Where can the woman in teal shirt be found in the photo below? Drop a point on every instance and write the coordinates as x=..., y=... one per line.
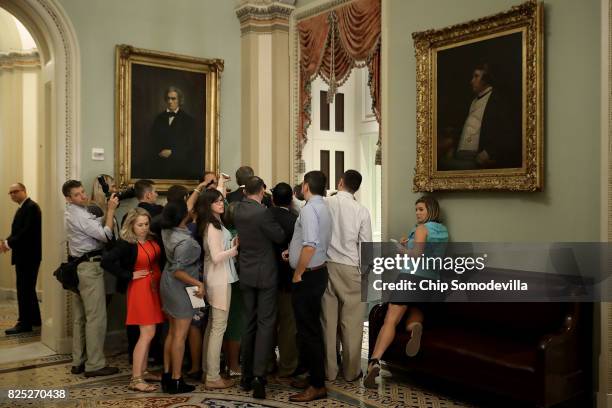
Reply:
x=428, y=230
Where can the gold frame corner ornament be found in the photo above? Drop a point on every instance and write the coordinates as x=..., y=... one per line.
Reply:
x=125, y=56
x=527, y=18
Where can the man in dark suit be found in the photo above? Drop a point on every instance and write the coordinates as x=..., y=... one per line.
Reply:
x=490, y=137
x=242, y=175
x=173, y=151
x=258, y=232
x=282, y=196
x=26, y=252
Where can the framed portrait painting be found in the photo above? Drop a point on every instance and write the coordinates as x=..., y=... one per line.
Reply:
x=480, y=104
x=167, y=117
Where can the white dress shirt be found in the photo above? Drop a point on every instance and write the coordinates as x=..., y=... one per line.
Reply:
x=470, y=136
x=85, y=232
x=351, y=225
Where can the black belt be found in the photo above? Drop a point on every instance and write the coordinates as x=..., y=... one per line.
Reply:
x=88, y=256
x=316, y=268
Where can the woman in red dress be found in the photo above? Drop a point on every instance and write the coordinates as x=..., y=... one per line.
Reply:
x=135, y=260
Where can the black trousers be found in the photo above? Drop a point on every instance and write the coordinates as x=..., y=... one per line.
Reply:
x=260, y=305
x=306, y=299
x=29, y=312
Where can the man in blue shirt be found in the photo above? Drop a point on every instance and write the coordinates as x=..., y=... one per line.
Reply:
x=308, y=256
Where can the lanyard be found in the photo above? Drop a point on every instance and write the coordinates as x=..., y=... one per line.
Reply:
x=152, y=281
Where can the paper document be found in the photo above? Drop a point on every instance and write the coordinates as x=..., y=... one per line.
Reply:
x=196, y=302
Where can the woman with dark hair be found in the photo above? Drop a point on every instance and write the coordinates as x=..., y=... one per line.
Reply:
x=219, y=274
x=181, y=270
x=428, y=230
x=135, y=260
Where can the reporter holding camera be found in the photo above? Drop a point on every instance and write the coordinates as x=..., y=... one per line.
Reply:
x=87, y=235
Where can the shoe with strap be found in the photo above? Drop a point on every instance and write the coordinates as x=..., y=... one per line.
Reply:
x=140, y=385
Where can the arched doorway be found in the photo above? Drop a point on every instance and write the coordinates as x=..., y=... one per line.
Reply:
x=59, y=148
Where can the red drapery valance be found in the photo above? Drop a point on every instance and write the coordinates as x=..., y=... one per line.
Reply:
x=331, y=45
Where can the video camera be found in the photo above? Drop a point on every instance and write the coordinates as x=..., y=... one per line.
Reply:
x=121, y=195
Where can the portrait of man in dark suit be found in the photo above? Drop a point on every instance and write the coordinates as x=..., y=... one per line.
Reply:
x=168, y=123
x=172, y=140
x=480, y=127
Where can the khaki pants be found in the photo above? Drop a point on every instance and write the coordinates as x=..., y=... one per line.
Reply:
x=287, y=348
x=89, y=310
x=213, y=339
x=342, y=313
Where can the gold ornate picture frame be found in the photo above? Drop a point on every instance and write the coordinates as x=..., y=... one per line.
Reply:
x=480, y=103
x=167, y=117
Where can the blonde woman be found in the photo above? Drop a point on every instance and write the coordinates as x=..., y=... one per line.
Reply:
x=135, y=261
x=219, y=274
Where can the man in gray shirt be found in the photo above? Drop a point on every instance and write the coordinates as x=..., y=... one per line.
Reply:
x=308, y=256
x=86, y=238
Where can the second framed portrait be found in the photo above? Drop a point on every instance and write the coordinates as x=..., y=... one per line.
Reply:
x=167, y=110
x=480, y=104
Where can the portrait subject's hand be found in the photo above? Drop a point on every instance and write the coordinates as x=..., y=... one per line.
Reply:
x=285, y=255
x=483, y=158
x=140, y=274
x=165, y=153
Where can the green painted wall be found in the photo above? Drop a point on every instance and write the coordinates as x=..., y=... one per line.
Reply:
x=568, y=208
x=200, y=28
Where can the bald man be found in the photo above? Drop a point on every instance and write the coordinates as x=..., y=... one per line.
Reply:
x=26, y=251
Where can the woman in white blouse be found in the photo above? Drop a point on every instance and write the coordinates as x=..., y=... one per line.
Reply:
x=219, y=274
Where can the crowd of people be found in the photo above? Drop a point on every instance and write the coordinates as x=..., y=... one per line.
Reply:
x=279, y=270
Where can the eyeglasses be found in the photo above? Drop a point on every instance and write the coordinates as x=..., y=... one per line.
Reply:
x=218, y=201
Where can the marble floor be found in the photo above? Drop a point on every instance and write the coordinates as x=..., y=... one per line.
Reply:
x=53, y=373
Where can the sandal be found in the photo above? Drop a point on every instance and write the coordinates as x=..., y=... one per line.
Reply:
x=148, y=376
x=140, y=385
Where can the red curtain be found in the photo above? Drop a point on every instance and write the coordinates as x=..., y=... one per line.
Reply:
x=350, y=37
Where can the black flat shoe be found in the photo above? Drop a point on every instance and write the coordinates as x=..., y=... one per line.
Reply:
x=18, y=329
x=77, y=369
x=197, y=375
x=166, y=378
x=259, y=388
x=178, y=386
x=246, y=384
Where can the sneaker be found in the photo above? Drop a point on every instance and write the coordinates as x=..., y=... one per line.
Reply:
x=414, y=344
x=102, y=372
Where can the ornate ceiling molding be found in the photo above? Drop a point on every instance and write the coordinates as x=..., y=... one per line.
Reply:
x=264, y=16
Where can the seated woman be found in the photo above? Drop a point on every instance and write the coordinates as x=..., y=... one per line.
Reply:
x=135, y=260
x=181, y=270
x=427, y=230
